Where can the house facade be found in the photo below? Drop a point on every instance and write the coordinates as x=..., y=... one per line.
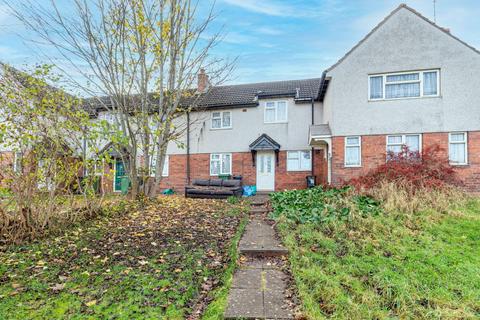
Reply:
x=408, y=82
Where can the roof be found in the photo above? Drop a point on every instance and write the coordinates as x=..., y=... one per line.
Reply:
x=320, y=130
x=401, y=6
x=240, y=95
x=264, y=142
x=248, y=94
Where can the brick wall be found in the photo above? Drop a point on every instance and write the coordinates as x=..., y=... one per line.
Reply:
x=374, y=153
x=242, y=164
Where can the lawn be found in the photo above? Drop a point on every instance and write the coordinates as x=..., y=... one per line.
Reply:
x=369, y=264
x=164, y=261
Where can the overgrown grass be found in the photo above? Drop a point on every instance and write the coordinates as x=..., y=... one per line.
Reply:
x=155, y=263
x=419, y=265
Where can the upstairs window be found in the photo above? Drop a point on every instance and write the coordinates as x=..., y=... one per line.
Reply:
x=404, y=85
x=221, y=120
x=275, y=112
x=299, y=160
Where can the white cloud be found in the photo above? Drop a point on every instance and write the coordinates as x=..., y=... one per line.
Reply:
x=269, y=31
x=268, y=7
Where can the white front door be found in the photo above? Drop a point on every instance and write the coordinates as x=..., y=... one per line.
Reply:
x=265, y=170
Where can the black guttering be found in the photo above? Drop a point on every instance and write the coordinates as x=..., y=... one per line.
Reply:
x=323, y=86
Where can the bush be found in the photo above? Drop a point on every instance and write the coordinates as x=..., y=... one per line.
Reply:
x=319, y=205
x=410, y=182
x=411, y=170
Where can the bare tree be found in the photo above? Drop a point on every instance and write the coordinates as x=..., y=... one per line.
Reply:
x=142, y=56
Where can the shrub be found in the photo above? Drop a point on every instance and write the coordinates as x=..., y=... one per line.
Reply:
x=319, y=205
x=410, y=182
x=411, y=170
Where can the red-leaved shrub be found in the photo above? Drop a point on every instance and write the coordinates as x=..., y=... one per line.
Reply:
x=428, y=170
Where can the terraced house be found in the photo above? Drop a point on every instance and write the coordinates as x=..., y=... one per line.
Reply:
x=407, y=82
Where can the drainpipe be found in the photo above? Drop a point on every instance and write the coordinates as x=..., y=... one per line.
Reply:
x=188, y=147
x=313, y=151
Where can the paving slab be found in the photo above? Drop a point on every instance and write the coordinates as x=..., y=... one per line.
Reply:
x=275, y=306
x=248, y=279
x=274, y=280
x=245, y=304
x=260, y=239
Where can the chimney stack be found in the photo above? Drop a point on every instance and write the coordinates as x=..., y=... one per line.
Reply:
x=202, y=81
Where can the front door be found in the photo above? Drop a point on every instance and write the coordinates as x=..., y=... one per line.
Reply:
x=265, y=170
x=119, y=174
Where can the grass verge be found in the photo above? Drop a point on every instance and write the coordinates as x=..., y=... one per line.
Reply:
x=423, y=265
x=216, y=308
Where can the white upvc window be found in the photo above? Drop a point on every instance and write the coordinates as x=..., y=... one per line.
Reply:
x=401, y=85
x=221, y=120
x=275, y=112
x=458, y=148
x=299, y=160
x=153, y=164
x=395, y=143
x=17, y=162
x=220, y=163
x=353, y=151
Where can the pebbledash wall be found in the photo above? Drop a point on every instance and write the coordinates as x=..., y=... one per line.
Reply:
x=373, y=154
x=242, y=164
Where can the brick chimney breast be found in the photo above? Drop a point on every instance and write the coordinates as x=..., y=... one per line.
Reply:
x=202, y=81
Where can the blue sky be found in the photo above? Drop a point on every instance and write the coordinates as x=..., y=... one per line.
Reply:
x=289, y=39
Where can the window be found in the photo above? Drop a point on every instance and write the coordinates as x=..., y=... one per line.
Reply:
x=220, y=163
x=221, y=120
x=17, y=162
x=395, y=143
x=153, y=164
x=353, y=151
x=404, y=85
x=457, y=148
x=275, y=111
x=299, y=161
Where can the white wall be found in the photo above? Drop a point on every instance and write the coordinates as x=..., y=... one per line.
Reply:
x=404, y=43
x=247, y=125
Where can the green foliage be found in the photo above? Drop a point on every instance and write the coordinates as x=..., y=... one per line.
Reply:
x=233, y=200
x=387, y=266
x=318, y=205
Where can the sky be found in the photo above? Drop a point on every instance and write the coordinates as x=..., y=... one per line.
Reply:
x=284, y=39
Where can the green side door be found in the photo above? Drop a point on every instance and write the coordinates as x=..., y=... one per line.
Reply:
x=119, y=174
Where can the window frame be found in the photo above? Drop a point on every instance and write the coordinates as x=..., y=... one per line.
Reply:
x=299, y=153
x=359, y=146
x=404, y=138
x=465, y=142
x=222, y=127
x=165, y=163
x=420, y=81
x=222, y=155
x=275, y=107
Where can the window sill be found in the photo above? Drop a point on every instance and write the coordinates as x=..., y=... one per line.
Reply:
x=226, y=128
x=302, y=170
x=352, y=166
x=277, y=122
x=408, y=98
x=459, y=164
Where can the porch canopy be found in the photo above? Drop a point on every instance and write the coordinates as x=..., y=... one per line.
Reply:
x=320, y=135
x=264, y=143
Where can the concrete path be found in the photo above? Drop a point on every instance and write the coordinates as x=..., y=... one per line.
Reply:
x=258, y=287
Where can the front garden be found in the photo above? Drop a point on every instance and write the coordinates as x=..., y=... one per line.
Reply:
x=164, y=260
x=403, y=244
